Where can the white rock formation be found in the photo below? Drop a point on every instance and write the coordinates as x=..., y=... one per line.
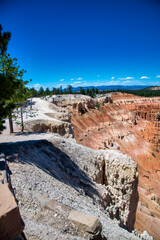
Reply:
x=42, y=116
x=58, y=168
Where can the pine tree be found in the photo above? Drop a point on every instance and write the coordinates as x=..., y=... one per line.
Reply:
x=69, y=88
x=47, y=91
x=11, y=81
x=41, y=92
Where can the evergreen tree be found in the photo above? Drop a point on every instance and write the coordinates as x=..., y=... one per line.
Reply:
x=47, y=92
x=54, y=92
x=11, y=81
x=60, y=90
x=82, y=91
x=33, y=92
x=91, y=93
x=20, y=97
x=87, y=92
x=57, y=91
x=96, y=91
x=4, y=39
x=69, y=88
x=18, y=92
x=41, y=92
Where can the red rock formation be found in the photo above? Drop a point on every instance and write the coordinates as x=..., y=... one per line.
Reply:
x=132, y=125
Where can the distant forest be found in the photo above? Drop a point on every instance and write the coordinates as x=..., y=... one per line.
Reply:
x=142, y=92
x=89, y=92
x=59, y=91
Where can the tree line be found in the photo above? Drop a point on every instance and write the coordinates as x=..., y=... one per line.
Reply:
x=142, y=92
x=90, y=92
x=58, y=91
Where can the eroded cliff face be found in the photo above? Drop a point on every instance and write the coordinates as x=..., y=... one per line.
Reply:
x=56, y=169
x=132, y=125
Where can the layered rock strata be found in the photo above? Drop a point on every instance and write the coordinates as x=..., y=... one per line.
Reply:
x=131, y=125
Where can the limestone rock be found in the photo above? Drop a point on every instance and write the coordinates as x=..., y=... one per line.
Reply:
x=45, y=116
x=145, y=236
x=54, y=126
x=116, y=177
x=57, y=207
x=84, y=222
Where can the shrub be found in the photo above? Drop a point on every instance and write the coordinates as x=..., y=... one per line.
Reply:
x=97, y=105
x=153, y=154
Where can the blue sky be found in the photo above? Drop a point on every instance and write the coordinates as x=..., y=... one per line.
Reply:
x=85, y=42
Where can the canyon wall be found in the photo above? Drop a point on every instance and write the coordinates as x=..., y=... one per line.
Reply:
x=132, y=125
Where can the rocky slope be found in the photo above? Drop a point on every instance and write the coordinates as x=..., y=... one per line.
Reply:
x=54, y=175
x=132, y=125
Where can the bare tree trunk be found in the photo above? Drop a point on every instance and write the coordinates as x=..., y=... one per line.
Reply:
x=10, y=122
x=31, y=104
x=22, y=125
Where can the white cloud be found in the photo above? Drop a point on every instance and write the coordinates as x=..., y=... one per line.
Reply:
x=122, y=83
x=79, y=78
x=113, y=83
x=75, y=84
x=144, y=77
x=127, y=78
x=72, y=79
x=37, y=85
x=61, y=80
x=80, y=84
x=158, y=76
x=112, y=78
x=126, y=82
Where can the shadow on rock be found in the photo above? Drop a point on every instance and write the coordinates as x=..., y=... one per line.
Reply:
x=51, y=160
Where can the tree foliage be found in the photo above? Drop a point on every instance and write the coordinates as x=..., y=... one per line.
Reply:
x=4, y=39
x=69, y=88
x=58, y=91
x=13, y=88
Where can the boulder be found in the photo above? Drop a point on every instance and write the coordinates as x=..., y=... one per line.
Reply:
x=54, y=126
x=85, y=223
x=11, y=224
x=55, y=206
